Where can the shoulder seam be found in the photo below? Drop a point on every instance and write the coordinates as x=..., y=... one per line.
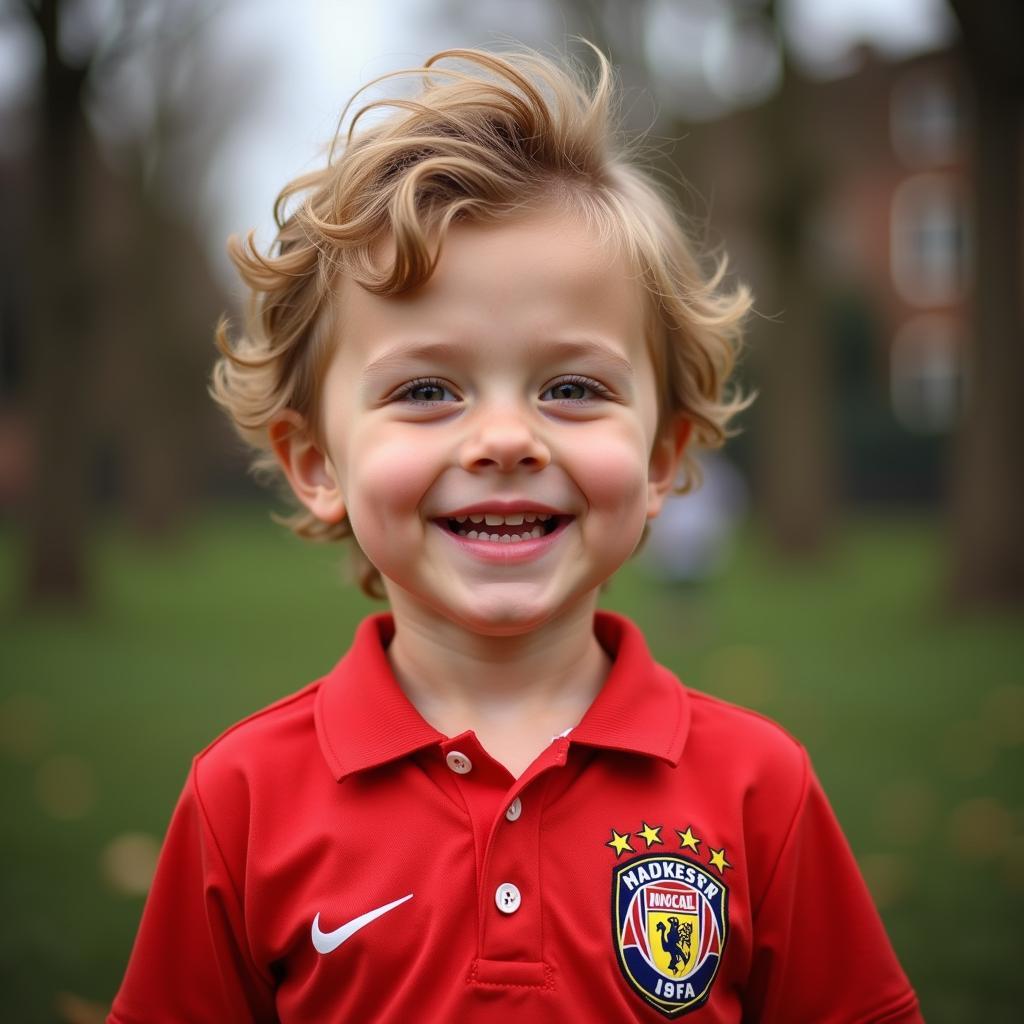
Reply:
x=805, y=764
x=308, y=691
x=235, y=889
x=700, y=695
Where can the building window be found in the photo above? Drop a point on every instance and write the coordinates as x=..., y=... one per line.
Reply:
x=928, y=240
x=925, y=374
x=924, y=119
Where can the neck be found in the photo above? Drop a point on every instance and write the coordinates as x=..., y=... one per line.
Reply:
x=541, y=681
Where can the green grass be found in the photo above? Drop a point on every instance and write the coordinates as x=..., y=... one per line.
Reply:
x=915, y=721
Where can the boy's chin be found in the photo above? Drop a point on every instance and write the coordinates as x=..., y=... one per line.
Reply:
x=499, y=614
x=497, y=618
x=504, y=625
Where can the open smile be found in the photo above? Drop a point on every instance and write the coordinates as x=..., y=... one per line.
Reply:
x=505, y=538
x=513, y=528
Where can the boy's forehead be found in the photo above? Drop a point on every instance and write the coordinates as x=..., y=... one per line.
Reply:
x=541, y=275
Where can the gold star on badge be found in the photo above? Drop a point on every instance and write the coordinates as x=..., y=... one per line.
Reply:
x=718, y=860
x=688, y=839
x=620, y=844
x=651, y=835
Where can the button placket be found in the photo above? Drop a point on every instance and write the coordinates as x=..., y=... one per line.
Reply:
x=480, y=786
x=511, y=925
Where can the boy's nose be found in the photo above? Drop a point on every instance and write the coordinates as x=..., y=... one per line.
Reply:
x=505, y=442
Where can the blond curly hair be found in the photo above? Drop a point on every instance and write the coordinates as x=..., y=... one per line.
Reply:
x=488, y=135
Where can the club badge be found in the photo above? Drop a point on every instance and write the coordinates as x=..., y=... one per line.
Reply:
x=670, y=922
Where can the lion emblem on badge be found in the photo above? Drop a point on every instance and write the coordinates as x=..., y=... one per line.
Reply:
x=677, y=942
x=670, y=929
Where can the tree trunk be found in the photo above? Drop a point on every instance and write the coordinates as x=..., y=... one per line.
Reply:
x=61, y=313
x=988, y=500
x=793, y=434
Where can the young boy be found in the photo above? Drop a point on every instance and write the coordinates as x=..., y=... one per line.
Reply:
x=480, y=351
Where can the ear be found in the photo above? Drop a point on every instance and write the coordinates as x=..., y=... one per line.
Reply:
x=665, y=458
x=307, y=468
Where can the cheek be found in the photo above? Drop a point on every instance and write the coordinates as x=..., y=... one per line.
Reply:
x=613, y=476
x=387, y=480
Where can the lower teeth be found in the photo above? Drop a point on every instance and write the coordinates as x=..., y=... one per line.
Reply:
x=501, y=538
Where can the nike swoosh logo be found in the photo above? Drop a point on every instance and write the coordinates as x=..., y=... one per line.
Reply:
x=328, y=942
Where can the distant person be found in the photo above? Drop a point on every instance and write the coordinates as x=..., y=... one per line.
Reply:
x=480, y=350
x=692, y=537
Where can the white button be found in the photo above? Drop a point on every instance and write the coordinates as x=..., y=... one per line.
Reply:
x=458, y=762
x=508, y=898
x=514, y=810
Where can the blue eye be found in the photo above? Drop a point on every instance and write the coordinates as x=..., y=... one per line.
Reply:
x=574, y=389
x=425, y=392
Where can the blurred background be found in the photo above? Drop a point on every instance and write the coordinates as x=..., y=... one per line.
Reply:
x=853, y=567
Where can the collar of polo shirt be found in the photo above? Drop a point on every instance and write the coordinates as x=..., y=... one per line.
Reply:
x=363, y=719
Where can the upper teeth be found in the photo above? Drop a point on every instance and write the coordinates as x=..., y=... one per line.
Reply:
x=512, y=519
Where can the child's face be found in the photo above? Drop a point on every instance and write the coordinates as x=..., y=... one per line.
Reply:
x=516, y=379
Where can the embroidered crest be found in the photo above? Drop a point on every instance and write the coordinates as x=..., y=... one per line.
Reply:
x=670, y=921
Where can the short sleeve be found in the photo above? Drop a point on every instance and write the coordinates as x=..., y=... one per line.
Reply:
x=821, y=953
x=190, y=961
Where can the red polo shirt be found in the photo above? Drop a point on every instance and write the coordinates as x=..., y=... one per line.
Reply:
x=335, y=858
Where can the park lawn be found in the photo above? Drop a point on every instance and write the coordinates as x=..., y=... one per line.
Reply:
x=914, y=718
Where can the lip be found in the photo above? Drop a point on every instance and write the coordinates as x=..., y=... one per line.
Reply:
x=499, y=507
x=497, y=553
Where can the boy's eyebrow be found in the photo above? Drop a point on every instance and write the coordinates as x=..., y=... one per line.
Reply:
x=442, y=351
x=589, y=348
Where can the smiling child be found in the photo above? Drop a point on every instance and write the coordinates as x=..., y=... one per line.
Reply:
x=481, y=351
